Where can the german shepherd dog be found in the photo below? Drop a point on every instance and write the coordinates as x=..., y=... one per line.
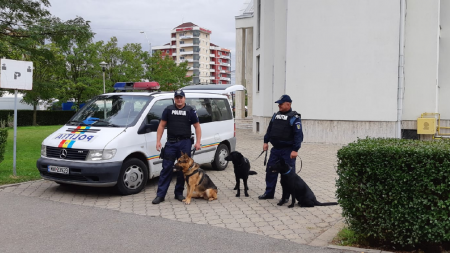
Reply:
x=294, y=185
x=199, y=185
x=241, y=171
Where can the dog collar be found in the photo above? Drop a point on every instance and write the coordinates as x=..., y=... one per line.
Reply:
x=287, y=172
x=190, y=168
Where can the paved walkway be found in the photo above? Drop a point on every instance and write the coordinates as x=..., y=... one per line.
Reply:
x=248, y=214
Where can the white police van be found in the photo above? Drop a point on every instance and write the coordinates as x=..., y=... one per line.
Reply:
x=111, y=141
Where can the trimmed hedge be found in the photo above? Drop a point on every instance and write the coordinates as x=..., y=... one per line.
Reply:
x=3, y=137
x=43, y=118
x=396, y=191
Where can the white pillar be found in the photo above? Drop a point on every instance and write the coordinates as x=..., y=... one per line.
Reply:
x=240, y=73
x=249, y=71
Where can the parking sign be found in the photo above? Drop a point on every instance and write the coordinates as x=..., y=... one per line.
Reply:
x=16, y=75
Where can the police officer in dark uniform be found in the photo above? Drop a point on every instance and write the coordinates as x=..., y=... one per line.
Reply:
x=178, y=118
x=286, y=135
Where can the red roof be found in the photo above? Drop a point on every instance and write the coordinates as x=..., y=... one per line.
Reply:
x=187, y=24
x=212, y=44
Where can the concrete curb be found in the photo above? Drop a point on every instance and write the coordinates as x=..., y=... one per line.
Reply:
x=17, y=184
x=326, y=237
x=358, y=249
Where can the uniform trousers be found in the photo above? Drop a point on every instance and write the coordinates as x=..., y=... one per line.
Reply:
x=172, y=151
x=276, y=154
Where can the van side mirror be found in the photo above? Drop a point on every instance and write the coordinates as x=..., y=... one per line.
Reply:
x=150, y=127
x=153, y=126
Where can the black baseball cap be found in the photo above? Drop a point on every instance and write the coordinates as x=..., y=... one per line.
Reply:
x=284, y=98
x=179, y=93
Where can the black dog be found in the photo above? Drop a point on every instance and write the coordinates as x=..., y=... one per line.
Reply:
x=294, y=185
x=241, y=170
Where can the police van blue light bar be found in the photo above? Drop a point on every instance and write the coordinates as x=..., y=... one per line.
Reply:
x=137, y=86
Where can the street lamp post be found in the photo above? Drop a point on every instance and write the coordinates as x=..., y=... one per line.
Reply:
x=149, y=43
x=103, y=64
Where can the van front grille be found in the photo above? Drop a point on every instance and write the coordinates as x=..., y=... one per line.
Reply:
x=72, y=153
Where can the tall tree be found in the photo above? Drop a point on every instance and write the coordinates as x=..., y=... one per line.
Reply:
x=25, y=23
x=166, y=72
x=82, y=75
x=45, y=76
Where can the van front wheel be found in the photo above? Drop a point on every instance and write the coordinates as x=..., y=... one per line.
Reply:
x=219, y=162
x=133, y=177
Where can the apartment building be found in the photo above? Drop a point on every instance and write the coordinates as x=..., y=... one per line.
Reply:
x=208, y=63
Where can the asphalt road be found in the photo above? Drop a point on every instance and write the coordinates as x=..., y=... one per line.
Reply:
x=29, y=224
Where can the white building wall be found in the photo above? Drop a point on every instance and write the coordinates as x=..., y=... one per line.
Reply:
x=342, y=59
x=279, y=60
x=421, y=57
x=264, y=98
x=444, y=61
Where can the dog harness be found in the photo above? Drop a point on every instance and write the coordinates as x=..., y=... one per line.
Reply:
x=193, y=173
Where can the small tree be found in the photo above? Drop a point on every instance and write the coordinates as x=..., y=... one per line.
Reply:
x=166, y=72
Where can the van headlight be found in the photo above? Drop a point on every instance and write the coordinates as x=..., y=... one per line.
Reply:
x=43, y=150
x=101, y=154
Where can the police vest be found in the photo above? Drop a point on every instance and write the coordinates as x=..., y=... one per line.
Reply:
x=178, y=123
x=282, y=126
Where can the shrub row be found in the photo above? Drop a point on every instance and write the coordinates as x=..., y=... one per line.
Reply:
x=3, y=137
x=396, y=191
x=43, y=118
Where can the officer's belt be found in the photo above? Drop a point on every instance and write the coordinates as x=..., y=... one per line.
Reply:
x=177, y=139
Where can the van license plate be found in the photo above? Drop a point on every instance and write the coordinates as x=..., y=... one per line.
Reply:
x=56, y=169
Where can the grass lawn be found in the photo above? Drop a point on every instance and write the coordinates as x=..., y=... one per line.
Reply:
x=29, y=141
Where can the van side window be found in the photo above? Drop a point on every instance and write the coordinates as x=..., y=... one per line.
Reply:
x=223, y=108
x=158, y=108
x=203, y=108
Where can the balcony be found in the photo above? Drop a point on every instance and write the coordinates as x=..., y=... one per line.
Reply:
x=212, y=77
x=172, y=39
x=225, y=57
x=224, y=64
x=212, y=55
x=212, y=63
x=212, y=70
x=225, y=78
x=185, y=37
x=174, y=54
x=222, y=71
x=191, y=60
x=188, y=52
x=187, y=45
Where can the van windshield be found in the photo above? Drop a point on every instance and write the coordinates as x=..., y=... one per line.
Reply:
x=111, y=111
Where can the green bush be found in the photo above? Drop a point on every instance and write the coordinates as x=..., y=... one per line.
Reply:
x=3, y=137
x=43, y=118
x=396, y=191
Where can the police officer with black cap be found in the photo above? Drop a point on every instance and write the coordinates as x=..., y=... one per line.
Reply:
x=286, y=136
x=178, y=118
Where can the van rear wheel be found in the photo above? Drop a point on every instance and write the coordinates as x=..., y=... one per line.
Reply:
x=132, y=177
x=219, y=162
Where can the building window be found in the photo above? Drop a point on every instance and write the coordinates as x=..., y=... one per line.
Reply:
x=182, y=50
x=258, y=40
x=182, y=42
x=257, y=73
x=182, y=58
x=167, y=51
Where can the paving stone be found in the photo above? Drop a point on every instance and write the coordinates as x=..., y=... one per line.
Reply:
x=248, y=214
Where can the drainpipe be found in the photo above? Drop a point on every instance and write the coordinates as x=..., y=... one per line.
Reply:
x=401, y=76
x=437, y=57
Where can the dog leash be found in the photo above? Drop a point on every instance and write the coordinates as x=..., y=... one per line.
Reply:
x=301, y=164
x=193, y=153
x=265, y=158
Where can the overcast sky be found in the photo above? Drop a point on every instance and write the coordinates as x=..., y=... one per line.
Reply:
x=126, y=18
